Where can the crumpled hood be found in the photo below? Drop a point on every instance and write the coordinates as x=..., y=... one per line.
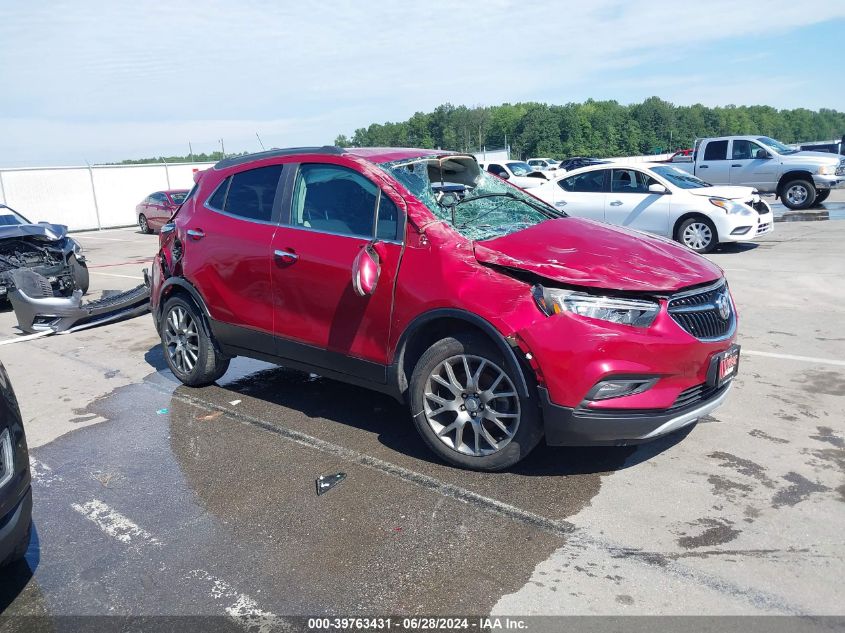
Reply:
x=581, y=252
x=45, y=231
x=727, y=191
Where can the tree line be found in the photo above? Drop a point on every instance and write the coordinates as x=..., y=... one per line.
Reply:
x=593, y=128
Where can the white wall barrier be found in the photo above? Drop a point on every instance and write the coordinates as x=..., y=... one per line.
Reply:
x=90, y=197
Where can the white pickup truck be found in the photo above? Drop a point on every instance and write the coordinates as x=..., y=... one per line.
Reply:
x=800, y=179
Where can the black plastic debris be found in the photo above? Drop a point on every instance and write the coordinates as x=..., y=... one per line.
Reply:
x=327, y=482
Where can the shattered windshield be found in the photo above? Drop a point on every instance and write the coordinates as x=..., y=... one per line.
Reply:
x=484, y=206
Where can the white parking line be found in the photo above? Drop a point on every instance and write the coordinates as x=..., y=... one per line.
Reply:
x=242, y=608
x=95, y=272
x=113, y=523
x=804, y=359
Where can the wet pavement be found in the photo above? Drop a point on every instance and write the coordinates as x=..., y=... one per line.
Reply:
x=152, y=498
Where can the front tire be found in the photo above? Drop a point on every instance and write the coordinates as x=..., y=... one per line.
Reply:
x=698, y=234
x=81, y=277
x=145, y=226
x=798, y=194
x=466, y=406
x=187, y=344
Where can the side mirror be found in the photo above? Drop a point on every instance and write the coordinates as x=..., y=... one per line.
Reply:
x=366, y=269
x=657, y=188
x=761, y=153
x=503, y=175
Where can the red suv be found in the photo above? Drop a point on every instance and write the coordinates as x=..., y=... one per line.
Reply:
x=497, y=318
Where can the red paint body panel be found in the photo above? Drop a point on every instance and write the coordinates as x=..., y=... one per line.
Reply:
x=586, y=253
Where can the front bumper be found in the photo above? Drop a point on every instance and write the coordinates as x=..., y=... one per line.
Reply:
x=581, y=426
x=14, y=525
x=829, y=182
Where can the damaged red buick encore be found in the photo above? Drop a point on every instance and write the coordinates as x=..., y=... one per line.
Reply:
x=498, y=319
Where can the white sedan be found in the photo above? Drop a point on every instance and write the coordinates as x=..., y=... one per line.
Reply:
x=661, y=199
x=516, y=172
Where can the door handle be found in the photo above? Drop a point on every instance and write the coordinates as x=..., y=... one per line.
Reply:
x=703, y=166
x=286, y=256
x=196, y=234
x=735, y=165
x=615, y=203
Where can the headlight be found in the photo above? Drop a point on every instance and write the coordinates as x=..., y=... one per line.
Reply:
x=731, y=207
x=77, y=247
x=827, y=170
x=623, y=311
x=7, y=464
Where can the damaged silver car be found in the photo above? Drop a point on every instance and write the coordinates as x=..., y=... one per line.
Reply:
x=42, y=248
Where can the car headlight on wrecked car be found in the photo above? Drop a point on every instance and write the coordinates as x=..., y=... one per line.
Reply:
x=730, y=207
x=77, y=247
x=636, y=312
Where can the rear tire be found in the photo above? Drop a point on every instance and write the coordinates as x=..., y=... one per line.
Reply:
x=187, y=344
x=505, y=427
x=81, y=277
x=142, y=222
x=798, y=194
x=698, y=234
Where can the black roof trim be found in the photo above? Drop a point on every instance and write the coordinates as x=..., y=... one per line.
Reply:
x=274, y=153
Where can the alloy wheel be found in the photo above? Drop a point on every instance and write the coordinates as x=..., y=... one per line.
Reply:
x=145, y=228
x=697, y=235
x=181, y=339
x=797, y=194
x=471, y=405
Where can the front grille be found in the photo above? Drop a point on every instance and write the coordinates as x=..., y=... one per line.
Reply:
x=759, y=206
x=763, y=227
x=706, y=314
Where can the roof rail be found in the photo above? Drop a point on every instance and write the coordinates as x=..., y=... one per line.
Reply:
x=274, y=153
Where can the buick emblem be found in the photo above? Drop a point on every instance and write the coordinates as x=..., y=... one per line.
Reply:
x=723, y=305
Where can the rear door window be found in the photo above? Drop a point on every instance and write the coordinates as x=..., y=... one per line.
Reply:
x=716, y=150
x=336, y=199
x=589, y=182
x=251, y=193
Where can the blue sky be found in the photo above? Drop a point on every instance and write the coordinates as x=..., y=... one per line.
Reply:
x=93, y=81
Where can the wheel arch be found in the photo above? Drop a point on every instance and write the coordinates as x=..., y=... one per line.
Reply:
x=179, y=286
x=797, y=174
x=430, y=327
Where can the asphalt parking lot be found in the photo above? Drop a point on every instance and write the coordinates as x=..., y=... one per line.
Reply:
x=152, y=498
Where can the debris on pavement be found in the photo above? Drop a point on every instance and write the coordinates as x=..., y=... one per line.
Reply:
x=327, y=482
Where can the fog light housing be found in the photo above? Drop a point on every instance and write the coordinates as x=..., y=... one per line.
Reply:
x=618, y=387
x=741, y=230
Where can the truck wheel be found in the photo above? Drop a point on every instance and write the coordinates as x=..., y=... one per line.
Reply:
x=821, y=196
x=81, y=278
x=466, y=407
x=188, y=348
x=698, y=234
x=798, y=194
